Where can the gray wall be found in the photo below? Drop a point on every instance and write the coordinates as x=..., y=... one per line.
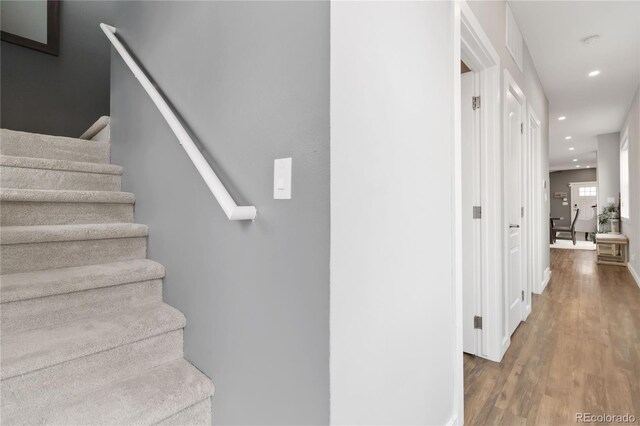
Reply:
x=608, y=169
x=559, y=182
x=251, y=80
x=59, y=95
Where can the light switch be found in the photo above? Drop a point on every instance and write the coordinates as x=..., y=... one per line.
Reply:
x=282, y=179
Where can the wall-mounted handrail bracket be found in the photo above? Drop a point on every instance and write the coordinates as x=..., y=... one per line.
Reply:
x=231, y=209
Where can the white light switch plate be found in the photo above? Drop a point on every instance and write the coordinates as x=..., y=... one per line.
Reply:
x=282, y=179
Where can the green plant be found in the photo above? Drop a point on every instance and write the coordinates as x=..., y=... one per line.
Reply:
x=609, y=212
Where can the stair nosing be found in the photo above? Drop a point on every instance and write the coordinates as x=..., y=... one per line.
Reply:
x=59, y=165
x=54, y=138
x=52, y=282
x=19, y=195
x=76, y=232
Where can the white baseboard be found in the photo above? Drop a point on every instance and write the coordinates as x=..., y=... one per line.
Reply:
x=545, y=279
x=453, y=421
x=634, y=274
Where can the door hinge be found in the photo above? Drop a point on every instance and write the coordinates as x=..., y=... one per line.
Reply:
x=522, y=128
x=475, y=102
x=523, y=295
x=477, y=322
x=477, y=212
x=521, y=211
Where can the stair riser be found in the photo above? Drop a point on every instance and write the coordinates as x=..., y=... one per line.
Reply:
x=25, y=178
x=22, y=395
x=16, y=258
x=56, y=310
x=36, y=213
x=41, y=146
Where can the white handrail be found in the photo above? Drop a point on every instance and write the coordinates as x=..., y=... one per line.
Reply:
x=231, y=209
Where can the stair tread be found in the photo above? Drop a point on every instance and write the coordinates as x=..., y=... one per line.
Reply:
x=63, y=165
x=24, y=144
x=65, y=196
x=75, y=232
x=43, y=347
x=49, y=282
x=146, y=398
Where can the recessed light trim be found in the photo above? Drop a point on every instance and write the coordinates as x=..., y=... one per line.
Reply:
x=577, y=166
x=594, y=73
x=567, y=137
x=562, y=117
x=575, y=159
x=571, y=148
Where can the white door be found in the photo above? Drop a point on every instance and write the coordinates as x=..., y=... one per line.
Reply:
x=470, y=227
x=513, y=169
x=583, y=197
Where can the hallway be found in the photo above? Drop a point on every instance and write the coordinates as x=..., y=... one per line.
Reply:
x=579, y=351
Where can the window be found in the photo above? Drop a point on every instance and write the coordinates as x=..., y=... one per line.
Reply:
x=624, y=177
x=587, y=191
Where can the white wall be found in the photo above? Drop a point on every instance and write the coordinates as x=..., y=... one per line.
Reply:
x=392, y=325
x=608, y=167
x=631, y=228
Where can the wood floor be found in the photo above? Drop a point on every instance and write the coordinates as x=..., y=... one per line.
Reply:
x=579, y=351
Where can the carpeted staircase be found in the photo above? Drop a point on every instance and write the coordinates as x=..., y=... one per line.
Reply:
x=85, y=336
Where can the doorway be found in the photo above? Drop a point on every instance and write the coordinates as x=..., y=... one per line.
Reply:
x=584, y=198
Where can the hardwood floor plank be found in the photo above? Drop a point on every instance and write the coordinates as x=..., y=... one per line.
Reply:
x=579, y=351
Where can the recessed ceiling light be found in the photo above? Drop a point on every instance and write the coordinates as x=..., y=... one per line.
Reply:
x=567, y=137
x=578, y=166
x=594, y=73
x=562, y=118
x=588, y=167
x=571, y=149
x=575, y=159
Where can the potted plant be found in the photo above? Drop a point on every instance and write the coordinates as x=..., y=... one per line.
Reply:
x=610, y=216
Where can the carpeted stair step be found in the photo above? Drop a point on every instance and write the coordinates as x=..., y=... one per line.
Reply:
x=28, y=394
x=23, y=144
x=44, y=347
x=57, y=296
x=198, y=414
x=37, y=248
x=147, y=398
x=44, y=173
x=23, y=207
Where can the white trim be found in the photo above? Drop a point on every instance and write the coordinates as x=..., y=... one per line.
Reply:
x=545, y=280
x=634, y=274
x=583, y=183
x=453, y=421
x=510, y=85
x=536, y=212
x=471, y=43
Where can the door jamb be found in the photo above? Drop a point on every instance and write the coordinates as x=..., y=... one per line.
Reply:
x=536, y=213
x=471, y=43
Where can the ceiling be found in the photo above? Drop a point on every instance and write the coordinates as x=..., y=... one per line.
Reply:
x=553, y=31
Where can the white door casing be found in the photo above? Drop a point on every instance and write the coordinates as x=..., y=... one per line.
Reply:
x=514, y=103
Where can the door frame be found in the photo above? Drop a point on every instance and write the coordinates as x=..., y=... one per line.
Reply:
x=472, y=44
x=536, y=213
x=510, y=85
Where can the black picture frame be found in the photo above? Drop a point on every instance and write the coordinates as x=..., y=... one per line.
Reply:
x=52, y=46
